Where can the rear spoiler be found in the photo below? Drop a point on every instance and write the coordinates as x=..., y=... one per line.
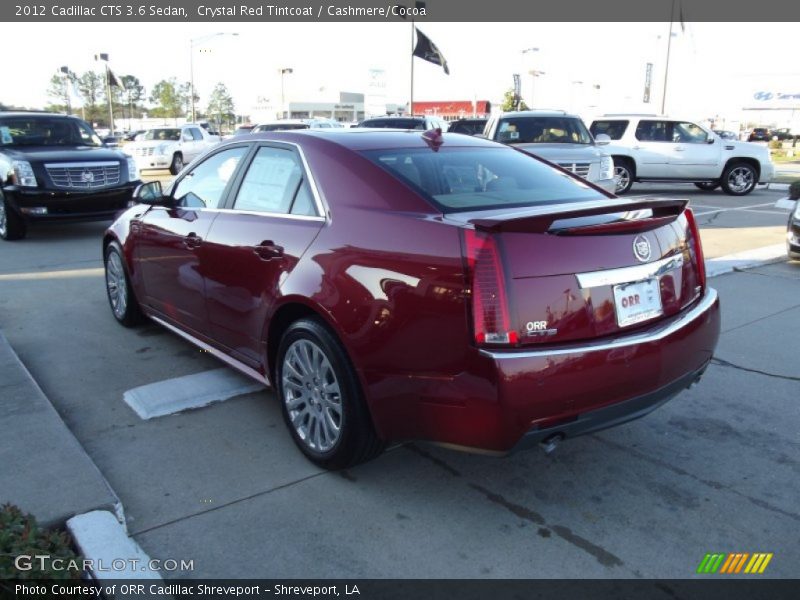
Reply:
x=540, y=219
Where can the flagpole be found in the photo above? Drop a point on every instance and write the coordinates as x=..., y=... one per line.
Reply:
x=411, y=101
x=666, y=67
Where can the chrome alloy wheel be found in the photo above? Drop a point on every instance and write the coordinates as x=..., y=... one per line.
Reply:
x=3, y=223
x=741, y=179
x=312, y=396
x=622, y=178
x=116, y=285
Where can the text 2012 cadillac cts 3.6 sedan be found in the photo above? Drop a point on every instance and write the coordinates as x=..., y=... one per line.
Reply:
x=396, y=285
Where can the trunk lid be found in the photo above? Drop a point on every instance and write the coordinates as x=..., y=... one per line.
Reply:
x=587, y=270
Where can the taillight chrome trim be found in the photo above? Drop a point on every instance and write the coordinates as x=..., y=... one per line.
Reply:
x=629, y=274
x=634, y=339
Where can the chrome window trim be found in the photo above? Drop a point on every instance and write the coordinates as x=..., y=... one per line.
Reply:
x=647, y=337
x=629, y=274
x=257, y=213
x=77, y=165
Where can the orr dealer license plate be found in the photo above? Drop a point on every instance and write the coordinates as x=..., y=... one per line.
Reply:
x=637, y=302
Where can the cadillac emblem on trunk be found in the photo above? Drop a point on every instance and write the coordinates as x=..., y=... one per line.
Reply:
x=641, y=248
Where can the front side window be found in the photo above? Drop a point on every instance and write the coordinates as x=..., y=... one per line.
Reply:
x=204, y=186
x=459, y=179
x=688, y=133
x=274, y=183
x=542, y=130
x=196, y=135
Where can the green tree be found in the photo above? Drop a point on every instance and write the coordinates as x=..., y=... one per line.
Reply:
x=185, y=92
x=510, y=100
x=220, y=105
x=59, y=91
x=167, y=98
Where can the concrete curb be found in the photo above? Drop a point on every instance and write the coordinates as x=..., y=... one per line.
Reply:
x=747, y=259
x=44, y=470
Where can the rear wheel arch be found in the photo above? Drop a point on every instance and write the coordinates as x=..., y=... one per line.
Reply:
x=750, y=161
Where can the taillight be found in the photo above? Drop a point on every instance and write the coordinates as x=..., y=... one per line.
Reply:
x=490, y=317
x=696, y=248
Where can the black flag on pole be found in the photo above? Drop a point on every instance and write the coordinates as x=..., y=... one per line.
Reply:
x=427, y=50
x=113, y=80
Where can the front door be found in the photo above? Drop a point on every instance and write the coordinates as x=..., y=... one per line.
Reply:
x=170, y=248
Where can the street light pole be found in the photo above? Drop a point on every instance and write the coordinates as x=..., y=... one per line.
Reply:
x=284, y=71
x=666, y=67
x=533, y=72
x=192, y=43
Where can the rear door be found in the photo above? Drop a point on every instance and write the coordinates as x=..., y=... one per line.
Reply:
x=653, y=148
x=255, y=243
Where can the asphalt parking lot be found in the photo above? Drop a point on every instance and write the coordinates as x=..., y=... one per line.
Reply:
x=715, y=470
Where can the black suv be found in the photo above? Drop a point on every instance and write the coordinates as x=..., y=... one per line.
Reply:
x=55, y=167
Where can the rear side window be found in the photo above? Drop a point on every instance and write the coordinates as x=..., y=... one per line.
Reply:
x=613, y=129
x=654, y=131
x=460, y=179
x=274, y=183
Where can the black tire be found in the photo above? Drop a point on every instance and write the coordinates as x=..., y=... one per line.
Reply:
x=12, y=225
x=121, y=297
x=707, y=186
x=739, y=179
x=329, y=388
x=177, y=163
x=624, y=173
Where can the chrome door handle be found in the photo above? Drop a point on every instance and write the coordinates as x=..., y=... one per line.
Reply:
x=267, y=250
x=192, y=240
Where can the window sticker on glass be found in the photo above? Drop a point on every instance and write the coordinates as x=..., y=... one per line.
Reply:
x=5, y=136
x=513, y=135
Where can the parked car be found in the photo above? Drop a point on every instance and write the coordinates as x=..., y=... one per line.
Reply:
x=131, y=135
x=54, y=167
x=391, y=285
x=170, y=147
x=240, y=130
x=793, y=233
x=293, y=124
x=559, y=137
x=113, y=141
x=759, y=134
x=657, y=148
x=782, y=134
x=726, y=135
x=468, y=126
x=409, y=122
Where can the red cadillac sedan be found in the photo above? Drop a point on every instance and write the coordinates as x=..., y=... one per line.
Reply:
x=396, y=285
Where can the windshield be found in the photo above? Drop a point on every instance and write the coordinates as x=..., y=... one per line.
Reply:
x=542, y=130
x=46, y=131
x=459, y=179
x=172, y=135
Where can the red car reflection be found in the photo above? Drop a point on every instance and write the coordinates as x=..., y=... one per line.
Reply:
x=396, y=285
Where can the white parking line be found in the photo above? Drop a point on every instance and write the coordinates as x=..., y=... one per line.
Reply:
x=191, y=391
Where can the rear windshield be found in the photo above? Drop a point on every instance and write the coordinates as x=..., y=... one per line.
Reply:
x=613, y=129
x=460, y=179
x=46, y=131
x=542, y=130
x=395, y=123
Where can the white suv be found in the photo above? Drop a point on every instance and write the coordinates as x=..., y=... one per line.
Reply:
x=657, y=148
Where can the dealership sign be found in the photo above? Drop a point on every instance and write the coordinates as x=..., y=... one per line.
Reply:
x=777, y=98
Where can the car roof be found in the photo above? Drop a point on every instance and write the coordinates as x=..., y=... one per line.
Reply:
x=34, y=113
x=371, y=139
x=516, y=114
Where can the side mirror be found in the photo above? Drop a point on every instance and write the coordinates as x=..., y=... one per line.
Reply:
x=187, y=137
x=710, y=139
x=152, y=194
x=602, y=139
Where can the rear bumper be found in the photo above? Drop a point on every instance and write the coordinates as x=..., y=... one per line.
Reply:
x=499, y=401
x=53, y=205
